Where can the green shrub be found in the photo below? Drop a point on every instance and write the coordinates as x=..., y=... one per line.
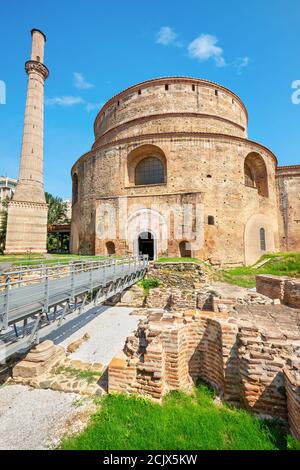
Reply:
x=150, y=283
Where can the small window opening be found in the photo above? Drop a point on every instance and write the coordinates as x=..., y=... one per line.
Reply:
x=193, y=87
x=208, y=176
x=211, y=220
x=139, y=92
x=262, y=234
x=166, y=87
x=216, y=92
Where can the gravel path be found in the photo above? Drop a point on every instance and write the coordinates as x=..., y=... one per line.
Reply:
x=37, y=419
x=33, y=419
x=108, y=328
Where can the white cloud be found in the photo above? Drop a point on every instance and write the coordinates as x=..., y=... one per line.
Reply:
x=166, y=36
x=69, y=101
x=65, y=101
x=80, y=82
x=204, y=48
x=241, y=63
x=91, y=106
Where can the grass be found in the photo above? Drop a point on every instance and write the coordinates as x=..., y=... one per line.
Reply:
x=36, y=259
x=182, y=422
x=279, y=264
x=90, y=376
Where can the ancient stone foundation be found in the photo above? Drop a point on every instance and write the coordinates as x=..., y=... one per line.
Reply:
x=47, y=366
x=245, y=356
x=39, y=360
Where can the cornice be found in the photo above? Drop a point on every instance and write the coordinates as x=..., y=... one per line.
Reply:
x=40, y=205
x=289, y=170
x=163, y=80
x=38, y=67
x=167, y=115
x=172, y=136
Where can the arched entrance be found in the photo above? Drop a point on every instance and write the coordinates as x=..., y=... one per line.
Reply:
x=146, y=244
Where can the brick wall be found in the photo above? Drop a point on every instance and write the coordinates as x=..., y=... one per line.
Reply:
x=280, y=287
x=241, y=360
x=292, y=382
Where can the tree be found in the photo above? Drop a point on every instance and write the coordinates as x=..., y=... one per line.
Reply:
x=3, y=224
x=57, y=215
x=57, y=210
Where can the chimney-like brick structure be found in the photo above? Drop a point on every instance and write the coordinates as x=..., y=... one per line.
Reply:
x=27, y=212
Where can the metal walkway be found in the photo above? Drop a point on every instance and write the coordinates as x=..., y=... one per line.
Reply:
x=35, y=301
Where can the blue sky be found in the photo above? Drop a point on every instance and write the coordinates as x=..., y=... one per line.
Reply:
x=95, y=49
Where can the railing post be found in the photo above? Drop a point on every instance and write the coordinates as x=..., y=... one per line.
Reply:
x=91, y=279
x=72, y=281
x=4, y=322
x=122, y=270
x=46, y=292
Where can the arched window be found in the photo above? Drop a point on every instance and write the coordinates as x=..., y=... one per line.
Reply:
x=249, y=178
x=185, y=249
x=75, y=188
x=149, y=171
x=255, y=174
x=110, y=248
x=211, y=220
x=262, y=235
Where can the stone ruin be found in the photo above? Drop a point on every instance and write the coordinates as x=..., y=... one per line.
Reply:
x=284, y=288
x=244, y=344
x=247, y=348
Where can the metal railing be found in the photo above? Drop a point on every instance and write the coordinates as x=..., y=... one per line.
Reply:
x=49, y=294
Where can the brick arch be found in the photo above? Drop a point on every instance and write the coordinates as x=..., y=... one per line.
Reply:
x=255, y=173
x=143, y=152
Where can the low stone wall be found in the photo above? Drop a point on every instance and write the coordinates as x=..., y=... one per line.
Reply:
x=241, y=359
x=280, y=287
x=178, y=275
x=172, y=298
x=217, y=297
x=271, y=286
x=292, y=293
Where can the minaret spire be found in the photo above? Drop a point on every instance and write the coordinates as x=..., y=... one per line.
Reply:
x=27, y=212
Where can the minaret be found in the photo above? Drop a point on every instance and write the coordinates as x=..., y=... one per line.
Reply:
x=27, y=212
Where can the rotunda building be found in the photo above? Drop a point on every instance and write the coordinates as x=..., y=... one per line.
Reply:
x=173, y=173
